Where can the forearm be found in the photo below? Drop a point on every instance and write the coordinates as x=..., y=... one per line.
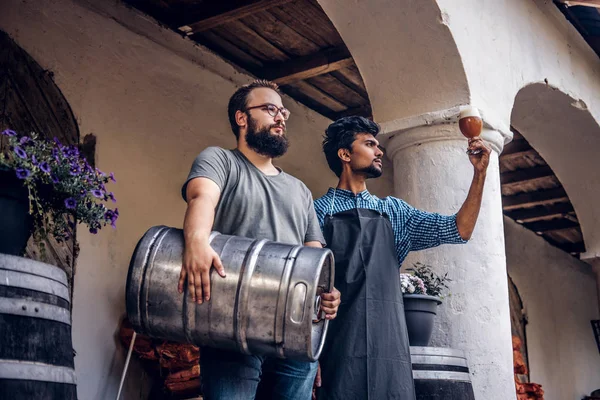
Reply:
x=199, y=219
x=314, y=244
x=468, y=213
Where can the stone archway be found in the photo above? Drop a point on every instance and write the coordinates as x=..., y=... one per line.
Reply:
x=406, y=55
x=564, y=132
x=30, y=101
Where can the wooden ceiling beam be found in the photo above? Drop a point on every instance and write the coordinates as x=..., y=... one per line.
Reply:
x=569, y=247
x=537, y=198
x=524, y=175
x=516, y=149
x=534, y=213
x=230, y=15
x=585, y=3
x=305, y=67
x=556, y=224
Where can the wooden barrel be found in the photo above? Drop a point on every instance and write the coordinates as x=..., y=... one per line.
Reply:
x=36, y=352
x=268, y=303
x=441, y=374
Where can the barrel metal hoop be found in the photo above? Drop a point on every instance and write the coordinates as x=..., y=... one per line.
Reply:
x=34, y=282
x=442, y=376
x=243, y=291
x=282, y=299
x=34, y=371
x=146, y=275
x=439, y=360
x=436, y=351
x=25, y=265
x=34, y=309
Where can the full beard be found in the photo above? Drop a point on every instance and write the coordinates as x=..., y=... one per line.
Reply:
x=264, y=142
x=371, y=171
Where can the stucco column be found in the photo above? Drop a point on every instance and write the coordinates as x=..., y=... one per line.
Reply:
x=432, y=172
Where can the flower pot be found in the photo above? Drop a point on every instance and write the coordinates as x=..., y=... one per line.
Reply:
x=16, y=225
x=420, y=311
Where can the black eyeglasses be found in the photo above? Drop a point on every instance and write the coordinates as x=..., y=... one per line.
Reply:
x=273, y=110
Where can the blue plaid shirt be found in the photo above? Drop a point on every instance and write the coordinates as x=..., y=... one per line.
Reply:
x=413, y=229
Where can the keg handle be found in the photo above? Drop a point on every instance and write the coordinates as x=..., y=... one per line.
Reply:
x=317, y=312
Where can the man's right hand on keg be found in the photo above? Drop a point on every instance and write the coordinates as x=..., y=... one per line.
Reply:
x=198, y=259
x=202, y=196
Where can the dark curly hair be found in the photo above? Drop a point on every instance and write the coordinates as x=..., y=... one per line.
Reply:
x=239, y=100
x=341, y=134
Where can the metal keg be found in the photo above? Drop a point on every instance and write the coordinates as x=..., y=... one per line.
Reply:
x=267, y=305
x=441, y=373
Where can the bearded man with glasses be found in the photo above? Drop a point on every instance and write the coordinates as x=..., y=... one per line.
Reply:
x=240, y=192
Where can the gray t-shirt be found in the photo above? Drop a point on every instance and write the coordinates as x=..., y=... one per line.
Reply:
x=255, y=205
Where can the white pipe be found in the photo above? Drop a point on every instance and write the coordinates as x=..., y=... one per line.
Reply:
x=126, y=364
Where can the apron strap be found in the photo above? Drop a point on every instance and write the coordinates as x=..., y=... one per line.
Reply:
x=332, y=201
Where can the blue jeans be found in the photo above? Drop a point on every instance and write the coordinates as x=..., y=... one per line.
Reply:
x=228, y=375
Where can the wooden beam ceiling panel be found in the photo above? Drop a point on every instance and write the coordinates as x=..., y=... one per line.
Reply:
x=516, y=149
x=338, y=90
x=309, y=66
x=309, y=22
x=251, y=42
x=525, y=175
x=537, y=198
x=342, y=76
x=230, y=16
x=551, y=225
x=585, y=3
x=280, y=35
x=577, y=247
x=535, y=213
x=319, y=96
x=229, y=51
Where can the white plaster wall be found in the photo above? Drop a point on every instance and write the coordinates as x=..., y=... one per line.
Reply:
x=558, y=293
x=506, y=46
x=154, y=100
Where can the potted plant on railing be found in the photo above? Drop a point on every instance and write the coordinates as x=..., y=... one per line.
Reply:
x=47, y=188
x=422, y=293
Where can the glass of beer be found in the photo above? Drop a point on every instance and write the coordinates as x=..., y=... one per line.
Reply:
x=470, y=124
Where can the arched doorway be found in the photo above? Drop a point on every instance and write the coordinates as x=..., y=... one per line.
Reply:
x=30, y=101
x=566, y=136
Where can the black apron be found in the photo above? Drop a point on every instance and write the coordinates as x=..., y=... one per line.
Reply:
x=366, y=354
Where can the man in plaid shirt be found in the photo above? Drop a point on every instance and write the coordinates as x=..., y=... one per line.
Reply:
x=370, y=238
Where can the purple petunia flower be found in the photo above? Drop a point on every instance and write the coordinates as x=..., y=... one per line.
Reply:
x=23, y=173
x=45, y=167
x=98, y=193
x=112, y=177
x=9, y=132
x=70, y=203
x=34, y=160
x=112, y=197
x=24, y=140
x=20, y=152
x=75, y=170
x=55, y=179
